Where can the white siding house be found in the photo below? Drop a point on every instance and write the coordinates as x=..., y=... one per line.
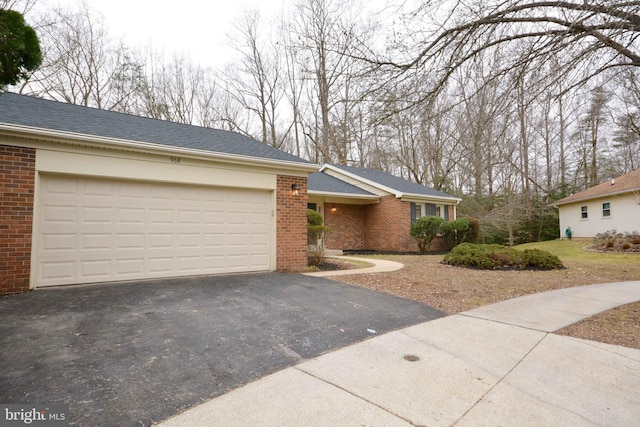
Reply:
x=612, y=205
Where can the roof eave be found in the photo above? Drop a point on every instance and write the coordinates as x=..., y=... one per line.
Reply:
x=599, y=196
x=105, y=142
x=429, y=197
x=343, y=195
x=363, y=180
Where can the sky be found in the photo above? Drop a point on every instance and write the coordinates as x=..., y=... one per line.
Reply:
x=196, y=27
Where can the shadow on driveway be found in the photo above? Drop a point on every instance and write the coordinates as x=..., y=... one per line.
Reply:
x=137, y=353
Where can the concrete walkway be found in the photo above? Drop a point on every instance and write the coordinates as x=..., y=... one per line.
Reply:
x=498, y=365
x=379, y=266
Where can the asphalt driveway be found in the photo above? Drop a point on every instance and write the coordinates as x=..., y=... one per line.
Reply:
x=137, y=353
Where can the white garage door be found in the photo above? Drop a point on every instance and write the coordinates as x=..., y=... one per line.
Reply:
x=92, y=230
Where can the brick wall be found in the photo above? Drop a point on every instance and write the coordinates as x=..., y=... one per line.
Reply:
x=347, y=226
x=291, y=224
x=17, y=181
x=387, y=226
x=451, y=212
x=379, y=227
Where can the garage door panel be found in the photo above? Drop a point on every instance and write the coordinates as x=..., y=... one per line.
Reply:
x=58, y=270
x=97, y=230
x=59, y=214
x=130, y=215
x=100, y=269
x=129, y=267
x=58, y=242
x=159, y=264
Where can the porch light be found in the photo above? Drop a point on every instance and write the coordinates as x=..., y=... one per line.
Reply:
x=333, y=208
x=295, y=189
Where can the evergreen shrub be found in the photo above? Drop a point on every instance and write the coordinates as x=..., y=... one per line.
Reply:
x=487, y=257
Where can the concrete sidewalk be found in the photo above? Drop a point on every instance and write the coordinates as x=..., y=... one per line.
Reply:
x=379, y=266
x=498, y=365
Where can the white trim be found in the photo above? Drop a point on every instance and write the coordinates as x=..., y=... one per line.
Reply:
x=343, y=195
x=406, y=197
x=105, y=142
x=599, y=196
x=363, y=180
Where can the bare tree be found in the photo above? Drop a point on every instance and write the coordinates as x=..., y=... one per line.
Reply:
x=626, y=139
x=590, y=36
x=22, y=6
x=82, y=64
x=327, y=36
x=255, y=81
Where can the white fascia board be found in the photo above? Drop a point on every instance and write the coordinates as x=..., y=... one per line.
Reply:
x=423, y=197
x=115, y=143
x=362, y=180
x=602, y=196
x=343, y=195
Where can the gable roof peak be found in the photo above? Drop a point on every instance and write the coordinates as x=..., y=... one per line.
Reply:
x=387, y=182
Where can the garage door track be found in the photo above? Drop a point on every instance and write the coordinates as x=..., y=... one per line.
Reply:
x=137, y=353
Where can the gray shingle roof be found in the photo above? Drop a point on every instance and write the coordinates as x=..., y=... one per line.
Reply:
x=322, y=182
x=391, y=181
x=41, y=113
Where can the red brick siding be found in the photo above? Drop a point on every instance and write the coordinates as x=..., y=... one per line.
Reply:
x=380, y=227
x=291, y=224
x=17, y=182
x=387, y=226
x=346, y=226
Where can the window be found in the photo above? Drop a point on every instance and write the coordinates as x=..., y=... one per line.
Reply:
x=416, y=212
x=606, y=209
x=312, y=206
x=428, y=209
x=584, y=212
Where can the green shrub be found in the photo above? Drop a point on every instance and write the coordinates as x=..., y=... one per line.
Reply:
x=315, y=233
x=495, y=256
x=425, y=230
x=537, y=258
x=459, y=231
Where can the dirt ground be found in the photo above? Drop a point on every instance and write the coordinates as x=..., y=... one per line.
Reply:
x=455, y=289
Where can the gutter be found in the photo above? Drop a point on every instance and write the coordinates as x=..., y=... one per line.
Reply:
x=426, y=196
x=600, y=196
x=343, y=195
x=93, y=141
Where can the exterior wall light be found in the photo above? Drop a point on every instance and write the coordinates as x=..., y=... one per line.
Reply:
x=295, y=189
x=333, y=208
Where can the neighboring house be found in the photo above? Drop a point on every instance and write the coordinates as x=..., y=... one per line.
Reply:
x=371, y=210
x=612, y=205
x=93, y=196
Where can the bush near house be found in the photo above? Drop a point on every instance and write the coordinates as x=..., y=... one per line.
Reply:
x=425, y=230
x=459, y=231
x=455, y=232
x=492, y=257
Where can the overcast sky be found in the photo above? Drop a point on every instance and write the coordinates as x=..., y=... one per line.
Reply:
x=197, y=27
